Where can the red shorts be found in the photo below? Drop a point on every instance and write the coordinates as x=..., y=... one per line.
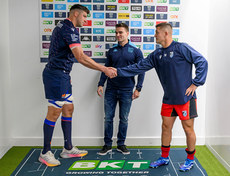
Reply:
x=185, y=111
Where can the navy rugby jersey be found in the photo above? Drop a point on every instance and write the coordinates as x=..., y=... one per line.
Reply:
x=119, y=56
x=64, y=37
x=174, y=69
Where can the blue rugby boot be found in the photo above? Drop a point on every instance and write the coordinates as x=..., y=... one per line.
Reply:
x=187, y=165
x=160, y=162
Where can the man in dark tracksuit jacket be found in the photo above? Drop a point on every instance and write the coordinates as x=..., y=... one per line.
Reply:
x=119, y=89
x=173, y=63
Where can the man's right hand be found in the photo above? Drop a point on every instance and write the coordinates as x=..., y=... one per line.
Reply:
x=100, y=91
x=110, y=72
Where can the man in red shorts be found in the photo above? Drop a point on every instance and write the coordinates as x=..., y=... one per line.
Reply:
x=173, y=63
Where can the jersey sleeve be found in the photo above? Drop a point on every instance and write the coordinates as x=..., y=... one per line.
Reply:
x=71, y=37
x=201, y=64
x=140, y=78
x=142, y=66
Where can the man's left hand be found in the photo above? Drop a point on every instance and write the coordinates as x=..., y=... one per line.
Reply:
x=191, y=90
x=136, y=94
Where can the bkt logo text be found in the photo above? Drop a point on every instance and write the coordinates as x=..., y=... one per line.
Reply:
x=110, y=165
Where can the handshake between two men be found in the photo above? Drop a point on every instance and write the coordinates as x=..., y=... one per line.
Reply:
x=111, y=72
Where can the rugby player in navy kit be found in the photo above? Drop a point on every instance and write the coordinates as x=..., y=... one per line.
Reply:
x=65, y=47
x=173, y=63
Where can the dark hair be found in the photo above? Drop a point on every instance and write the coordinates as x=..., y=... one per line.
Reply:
x=80, y=7
x=164, y=25
x=122, y=25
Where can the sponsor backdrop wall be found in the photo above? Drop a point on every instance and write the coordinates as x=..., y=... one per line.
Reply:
x=5, y=78
x=27, y=96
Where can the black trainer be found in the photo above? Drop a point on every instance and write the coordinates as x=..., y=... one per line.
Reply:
x=123, y=149
x=105, y=149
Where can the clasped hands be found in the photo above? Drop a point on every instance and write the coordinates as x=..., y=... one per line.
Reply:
x=110, y=72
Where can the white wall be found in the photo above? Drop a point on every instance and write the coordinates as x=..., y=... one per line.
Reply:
x=28, y=95
x=218, y=95
x=4, y=79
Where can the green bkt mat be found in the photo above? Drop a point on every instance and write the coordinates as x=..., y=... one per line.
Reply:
x=112, y=164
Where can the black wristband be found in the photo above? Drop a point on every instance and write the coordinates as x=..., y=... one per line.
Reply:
x=138, y=89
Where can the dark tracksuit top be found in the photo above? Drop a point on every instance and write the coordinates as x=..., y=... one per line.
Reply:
x=174, y=69
x=119, y=56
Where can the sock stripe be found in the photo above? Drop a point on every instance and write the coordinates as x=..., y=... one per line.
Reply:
x=50, y=123
x=68, y=119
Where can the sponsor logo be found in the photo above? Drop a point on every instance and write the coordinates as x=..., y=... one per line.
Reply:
x=98, y=31
x=98, y=38
x=148, y=39
x=98, y=7
x=109, y=164
x=88, y=6
x=174, y=1
x=173, y=16
x=149, y=24
x=45, y=45
x=138, y=46
x=136, y=1
x=60, y=14
x=146, y=54
x=48, y=30
x=149, y=32
x=86, y=45
x=123, y=1
x=110, y=31
x=110, y=23
x=162, y=16
x=174, y=9
x=149, y=8
x=88, y=53
x=162, y=8
x=158, y=22
x=98, y=1
x=149, y=1
x=124, y=8
x=74, y=37
x=47, y=14
x=98, y=23
x=57, y=21
x=135, y=31
x=98, y=15
x=46, y=53
x=86, y=38
x=136, y=16
x=94, y=54
x=149, y=16
x=88, y=23
x=46, y=37
x=111, y=15
x=161, y=1
x=47, y=6
x=109, y=45
x=176, y=32
x=135, y=38
x=72, y=0
x=86, y=30
x=111, y=7
x=85, y=0
x=136, y=23
x=110, y=39
x=175, y=39
x=47, y=22
x=60, y=6
x=98, y=46
x=184, y=113
x=136, y=8
x=148, y=47
x=110, y=0
x=59, y=0
x=123, y=15
x=126, y=22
